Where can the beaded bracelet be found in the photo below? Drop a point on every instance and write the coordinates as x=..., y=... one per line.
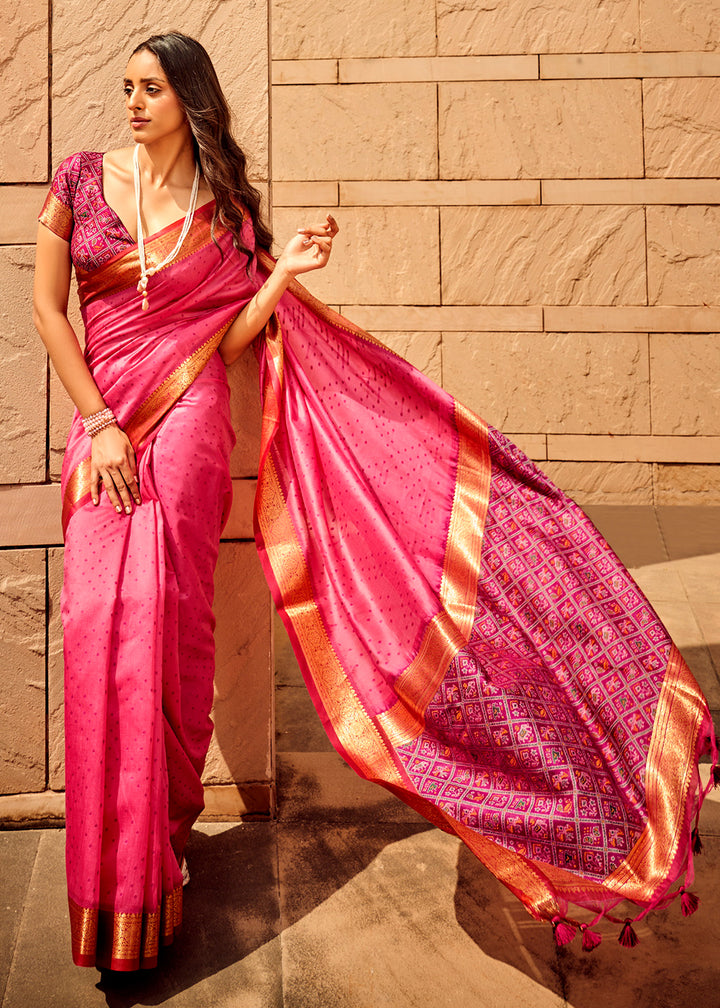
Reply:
x=96, y=422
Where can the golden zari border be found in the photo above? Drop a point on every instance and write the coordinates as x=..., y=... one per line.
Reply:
x=123, y=941
x=449, y=630
x=145, y=417
x=124, y=271
x=669, y=774
x=458, y=591
x=56, y=217
x=353, y=726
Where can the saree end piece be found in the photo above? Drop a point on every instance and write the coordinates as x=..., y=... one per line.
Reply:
x=123, y=942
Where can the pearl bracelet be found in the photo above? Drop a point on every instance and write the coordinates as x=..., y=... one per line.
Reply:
x=96, y=422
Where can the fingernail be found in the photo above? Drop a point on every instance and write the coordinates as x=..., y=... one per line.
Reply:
x=118, y=509
x=128, y=509
x=95, y=500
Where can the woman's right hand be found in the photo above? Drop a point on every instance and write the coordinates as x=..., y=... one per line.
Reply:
x=113, y=463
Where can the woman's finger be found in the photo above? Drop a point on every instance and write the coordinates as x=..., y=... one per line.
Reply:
x=316, y=229
x=117, y=490
x=95, y=485
x=111, y=490
x=323, y=244
x=122, y=489
x=130, y=479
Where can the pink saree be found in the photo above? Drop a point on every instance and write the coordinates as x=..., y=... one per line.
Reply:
x=468, y=638
x=138, y=589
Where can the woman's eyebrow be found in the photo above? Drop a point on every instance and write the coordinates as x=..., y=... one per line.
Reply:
x=147, y=80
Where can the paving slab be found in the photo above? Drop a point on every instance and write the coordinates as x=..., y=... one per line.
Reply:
x=690, y=531
x=227, y=953
x=633, y=532
x=700, y=577
x=297, y=725
x=321, y=787
x=707, y=615
x=18, y=850
x=675, y=964
x=661, y=582
x=43, y=974
x=287, y=670
x=391, y=937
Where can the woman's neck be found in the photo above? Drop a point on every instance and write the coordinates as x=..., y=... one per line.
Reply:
x=170, y=161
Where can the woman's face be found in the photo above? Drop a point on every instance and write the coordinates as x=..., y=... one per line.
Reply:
x=154, y=110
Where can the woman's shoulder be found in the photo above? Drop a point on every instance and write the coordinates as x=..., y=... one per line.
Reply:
x=74, y=167
x=119, y=159
x=79, y=160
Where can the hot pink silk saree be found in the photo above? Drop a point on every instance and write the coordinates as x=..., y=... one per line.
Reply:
x=138, y=589
x=469, y=639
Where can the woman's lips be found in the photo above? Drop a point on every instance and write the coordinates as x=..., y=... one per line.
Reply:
x=139, y=122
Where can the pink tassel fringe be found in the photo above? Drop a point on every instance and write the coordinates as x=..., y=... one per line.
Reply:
x=689, y=903
x=564, y=932
x=628, y=938
x=590, y=939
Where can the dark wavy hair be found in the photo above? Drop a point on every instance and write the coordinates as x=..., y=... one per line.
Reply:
x=192, y=76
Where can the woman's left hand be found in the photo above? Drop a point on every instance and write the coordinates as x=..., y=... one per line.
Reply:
x=310, y=248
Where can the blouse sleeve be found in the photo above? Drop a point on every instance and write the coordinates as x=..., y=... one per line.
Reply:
x=57, y=213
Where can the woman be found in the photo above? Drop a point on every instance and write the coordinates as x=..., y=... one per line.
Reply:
x=140, y=556
x=468, y=638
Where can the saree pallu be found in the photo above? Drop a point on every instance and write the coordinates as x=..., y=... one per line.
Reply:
x=138, y=589
x=469, y=639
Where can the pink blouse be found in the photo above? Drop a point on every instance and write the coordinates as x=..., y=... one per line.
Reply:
x=75, y=209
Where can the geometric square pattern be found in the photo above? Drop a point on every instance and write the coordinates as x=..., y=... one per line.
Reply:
x=538, y=735
x=98, y=233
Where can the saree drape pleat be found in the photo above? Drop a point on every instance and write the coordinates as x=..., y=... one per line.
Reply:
x=469, y=639
x=138, y=590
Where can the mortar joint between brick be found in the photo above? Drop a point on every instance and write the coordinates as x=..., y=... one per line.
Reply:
x=440, y=272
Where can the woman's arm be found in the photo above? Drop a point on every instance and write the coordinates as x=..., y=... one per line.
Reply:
x=113, y=457
x=308, y=250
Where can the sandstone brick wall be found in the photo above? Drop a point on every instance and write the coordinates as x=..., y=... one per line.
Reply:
x=528, y=201
x=81, y=55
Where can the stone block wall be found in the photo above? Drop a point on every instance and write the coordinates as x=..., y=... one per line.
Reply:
x=528, y=197
x=528, y=201
x=75, y=59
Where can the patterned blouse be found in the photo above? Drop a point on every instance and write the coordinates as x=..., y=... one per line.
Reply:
x=75, y=209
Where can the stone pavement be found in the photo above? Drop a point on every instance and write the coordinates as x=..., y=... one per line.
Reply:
x=349, y=900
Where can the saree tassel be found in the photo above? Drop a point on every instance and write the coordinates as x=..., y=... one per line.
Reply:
x=696, y=841
x=590, y=939
x=628, y=938
x=689, y=903
x=564, y=931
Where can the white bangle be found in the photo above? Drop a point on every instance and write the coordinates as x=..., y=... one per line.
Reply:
x=96, y=422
